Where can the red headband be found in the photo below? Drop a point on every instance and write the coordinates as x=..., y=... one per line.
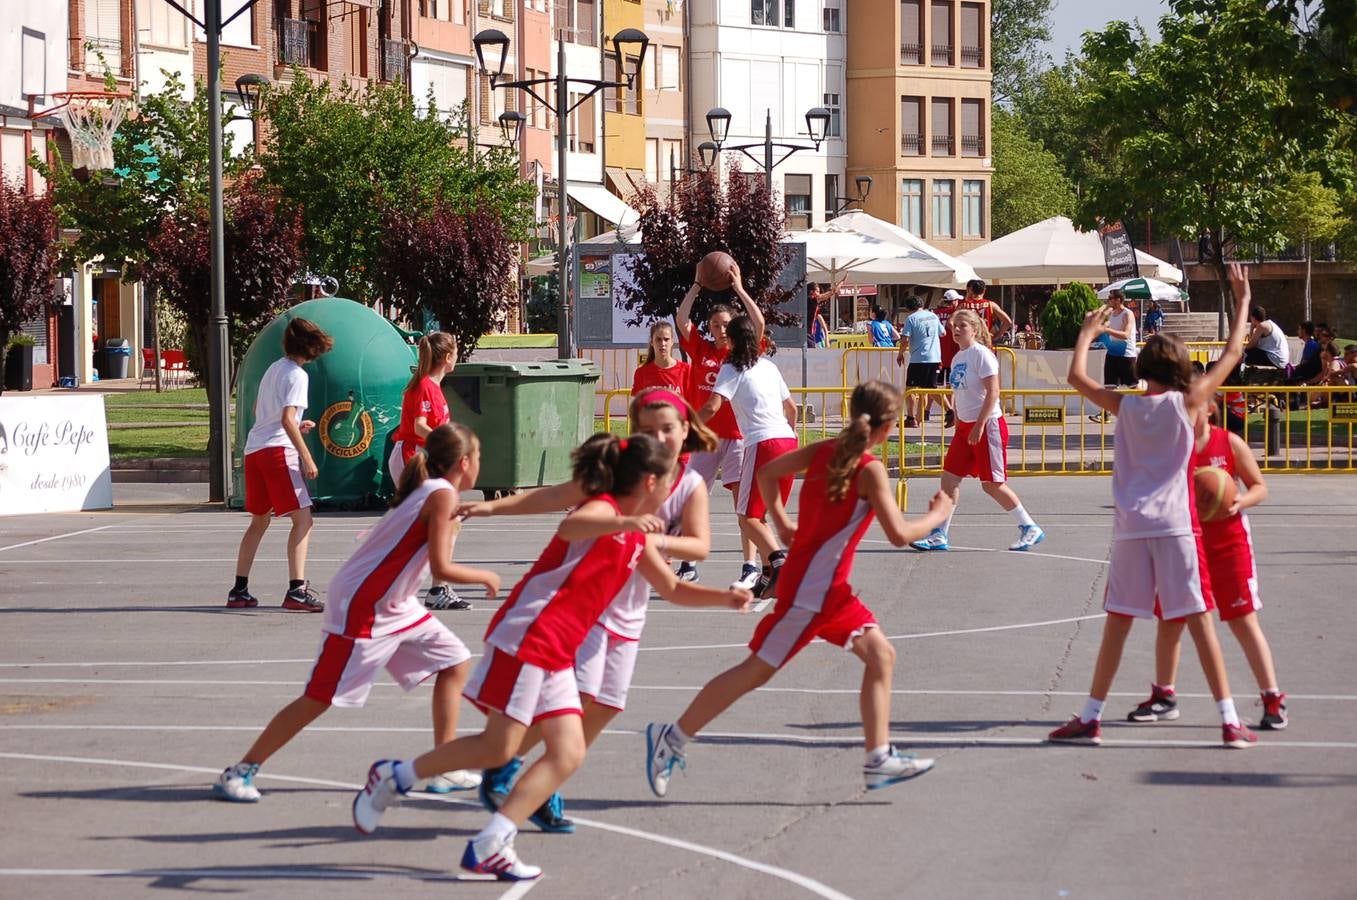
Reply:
x=662, y=395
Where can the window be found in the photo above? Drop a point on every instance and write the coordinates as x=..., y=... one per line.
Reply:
x=586, y=22
x=653, y=161
x=972, y=35
x=103, y=36
x=621, y=99
x=972, y=127
x=161, y=25
x=833, y=16
x=835, y=127
x=674, y=150
x=765, y=12
x=582, y=125
x=302, y=27
x=943, y=224
x=669, y=74
x=447, y=82
x=789, y=13
x=911, y=126
x=240, y=33
x=942, y=127
x=972, y=208
x=356, y=42
x=831, y=195
x=912, y=206
x=911, y=32
x=797, y=200
x=941, y=36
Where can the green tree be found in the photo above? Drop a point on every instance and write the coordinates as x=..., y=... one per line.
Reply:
x=1063, y=315
x=1018, y=28
x=1309, y=211
x=1029, y=184
x=28, y=259
x=341, y=155
x=1327, y=57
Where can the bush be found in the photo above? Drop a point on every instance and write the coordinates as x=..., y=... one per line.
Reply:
x=1063, y=315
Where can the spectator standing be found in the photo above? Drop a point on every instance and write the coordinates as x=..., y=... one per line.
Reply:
x=882, y=331
x=1154, y=319
x=921, y=353
x=1119, y=337
x=988, y=310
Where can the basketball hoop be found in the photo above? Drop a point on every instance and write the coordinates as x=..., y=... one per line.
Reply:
x=91, y=118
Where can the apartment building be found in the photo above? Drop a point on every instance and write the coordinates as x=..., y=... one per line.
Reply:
x=778, y=59
x=667, y=151
x=919, y=88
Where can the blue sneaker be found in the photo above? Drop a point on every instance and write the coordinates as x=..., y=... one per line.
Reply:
x=496, y=784
x=550, y=816
x=936, y=540
x=236, y=784
x=1028, y=537
x=661, y=758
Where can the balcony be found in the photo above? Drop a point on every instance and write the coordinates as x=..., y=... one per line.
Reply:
x=941, y=55
x=912, y=145
x=911, y=54
x=972, y=145
x=943, y=145
x=394, y=55
x=972, y=57
x=296, y=40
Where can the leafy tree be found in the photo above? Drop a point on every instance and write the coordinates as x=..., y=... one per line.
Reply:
x=702, y=215
x=543, y=303
x=1063, y=315
x=1309, y=211
x=28, y=258
x=1048, y=111
x=342, y=156
x=457, y=266
x=1327, y=57
x=1029, y=184
x=1018, y=28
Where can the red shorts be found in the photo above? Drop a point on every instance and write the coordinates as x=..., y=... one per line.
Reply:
x=749, y=499
x=788, y=628
x=986, y=459
x=526, y=693
x=273, y=481
x=1234, y=584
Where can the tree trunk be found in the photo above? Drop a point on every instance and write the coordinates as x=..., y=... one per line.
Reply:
x=152, y=296
x=1309, y=261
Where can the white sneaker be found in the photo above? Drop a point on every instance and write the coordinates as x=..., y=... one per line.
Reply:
x=496, y=856
x=749, y=576
x=380, y=792
x=1028, y=537
x=936, y=540
x=895, y=768
x=460, y=780
x=236, y=784
x=661, y=758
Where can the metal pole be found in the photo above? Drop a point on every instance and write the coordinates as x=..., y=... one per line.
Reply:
x=768, y=153
x=219, y=397
x=564, y=344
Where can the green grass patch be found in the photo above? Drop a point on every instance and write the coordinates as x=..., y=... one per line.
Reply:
x=151, y=443
x=138, y=414
x=1298, y=422
x=151, y=398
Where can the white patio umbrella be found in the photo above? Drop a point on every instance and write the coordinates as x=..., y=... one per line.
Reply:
x=1053, y=251
x=867, y=250
x=1143, y=289
x=545, y=265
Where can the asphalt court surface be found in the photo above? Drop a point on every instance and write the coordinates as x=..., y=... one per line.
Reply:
x=125, y=686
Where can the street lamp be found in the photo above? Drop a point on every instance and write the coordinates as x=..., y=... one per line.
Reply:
x=250, y=87
x=628, y=44
x=511, y=126
x=817, y=126
x=707, y=151
x=864, y=186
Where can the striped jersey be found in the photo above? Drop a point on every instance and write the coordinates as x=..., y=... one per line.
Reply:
x=815, y=575
x=373, y=594
x=625, y=617
x=1151, y=480
x=551, y=610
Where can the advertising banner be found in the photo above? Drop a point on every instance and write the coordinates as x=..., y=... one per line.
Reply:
x=54, y=454
x=1118, y=252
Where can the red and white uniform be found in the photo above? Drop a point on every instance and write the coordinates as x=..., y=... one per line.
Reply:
x=756, y=395
x=372, y=617
x=425, y=399
x=705, y=361
x=988, y=458
x=946, y=343
x=607, y=658
x=650, y=375
x=1156, y=545
x=528, y=670
x=814, y=596
x=273, y=472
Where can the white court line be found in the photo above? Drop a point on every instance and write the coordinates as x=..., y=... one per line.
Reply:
x=1029, y=554
x=810, y=884
x=56, y=537
x=211, y=559
x=251, y=874
x=762, y=604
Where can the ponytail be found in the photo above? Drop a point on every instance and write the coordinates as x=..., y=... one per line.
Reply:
x=873, y=404
x=434, y=348
x=606, y=464
x=443, y=449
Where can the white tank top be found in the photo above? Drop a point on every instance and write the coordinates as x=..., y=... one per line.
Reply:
x=1122, y=321
x=1151, y=478
x=373, y=594
x=1274, y=345
x=626, y=616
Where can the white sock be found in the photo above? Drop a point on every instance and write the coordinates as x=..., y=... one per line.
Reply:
x=878, y=755
x=1021, y=516
x=675, y=737
x=1093, y=710
x=1228, y=714
x=405, y=774
x=947, y=526
x=500, y=827
x=752, y=563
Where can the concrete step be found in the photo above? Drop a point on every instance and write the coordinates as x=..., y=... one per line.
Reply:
x=160, y=471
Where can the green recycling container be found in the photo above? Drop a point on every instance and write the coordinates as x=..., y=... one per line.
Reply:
x=355, y=400
x=528, y=416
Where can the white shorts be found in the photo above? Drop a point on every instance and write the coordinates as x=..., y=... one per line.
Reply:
x=604, y=665
x=525, y=693
x=395, y=463
x=1171, y=567
x=725, y=459
x=346, y=667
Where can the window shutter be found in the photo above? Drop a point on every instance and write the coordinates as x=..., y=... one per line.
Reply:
x=909, y=21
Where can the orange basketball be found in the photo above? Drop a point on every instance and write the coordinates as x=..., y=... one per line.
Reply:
x=713, y=272
x=1216, y=492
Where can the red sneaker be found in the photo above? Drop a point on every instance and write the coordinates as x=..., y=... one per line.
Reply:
x=1274, y=712
x=1077, y=731
x=1237, y=737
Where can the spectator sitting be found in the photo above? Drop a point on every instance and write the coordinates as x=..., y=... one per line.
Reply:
x=1154, y=319
x=1337, y=370
x=882, y=331
x=1309, y=368
x=1236, y=405
x=1266, y=343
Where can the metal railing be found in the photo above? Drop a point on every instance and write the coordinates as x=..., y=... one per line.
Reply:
x=394, y=54
x=294, y=42
x=911, y=54
x=972, y=57
x=911, y=145
x=941, y=55
x=942, y=145
x=972, y=145
x=861, y=364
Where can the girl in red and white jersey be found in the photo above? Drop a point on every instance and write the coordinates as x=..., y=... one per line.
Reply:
x=527, y=675
x=424, y=408
x=845, y=485
x=1157, y=553
x=660, y=368
x=1228, y=546
x=374, y=621
x=607, y=658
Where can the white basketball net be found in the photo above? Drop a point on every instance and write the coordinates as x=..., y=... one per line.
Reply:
x=91, y=123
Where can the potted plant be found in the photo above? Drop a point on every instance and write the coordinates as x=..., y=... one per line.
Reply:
x=19, y=362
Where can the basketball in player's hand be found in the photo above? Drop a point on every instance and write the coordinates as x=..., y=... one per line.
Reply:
x=1216, y=492
x=713, y=272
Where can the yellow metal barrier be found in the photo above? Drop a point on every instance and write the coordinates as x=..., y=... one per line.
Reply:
x=608, y=397
x=616, y=365
x=1200, y=351
x=867, y=363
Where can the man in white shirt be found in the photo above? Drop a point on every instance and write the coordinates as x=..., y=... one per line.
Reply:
x=1266, y=343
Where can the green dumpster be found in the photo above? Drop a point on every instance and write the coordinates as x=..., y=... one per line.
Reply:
x=528, y=416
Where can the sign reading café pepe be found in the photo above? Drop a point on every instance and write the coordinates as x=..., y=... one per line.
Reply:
x=53, y=454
